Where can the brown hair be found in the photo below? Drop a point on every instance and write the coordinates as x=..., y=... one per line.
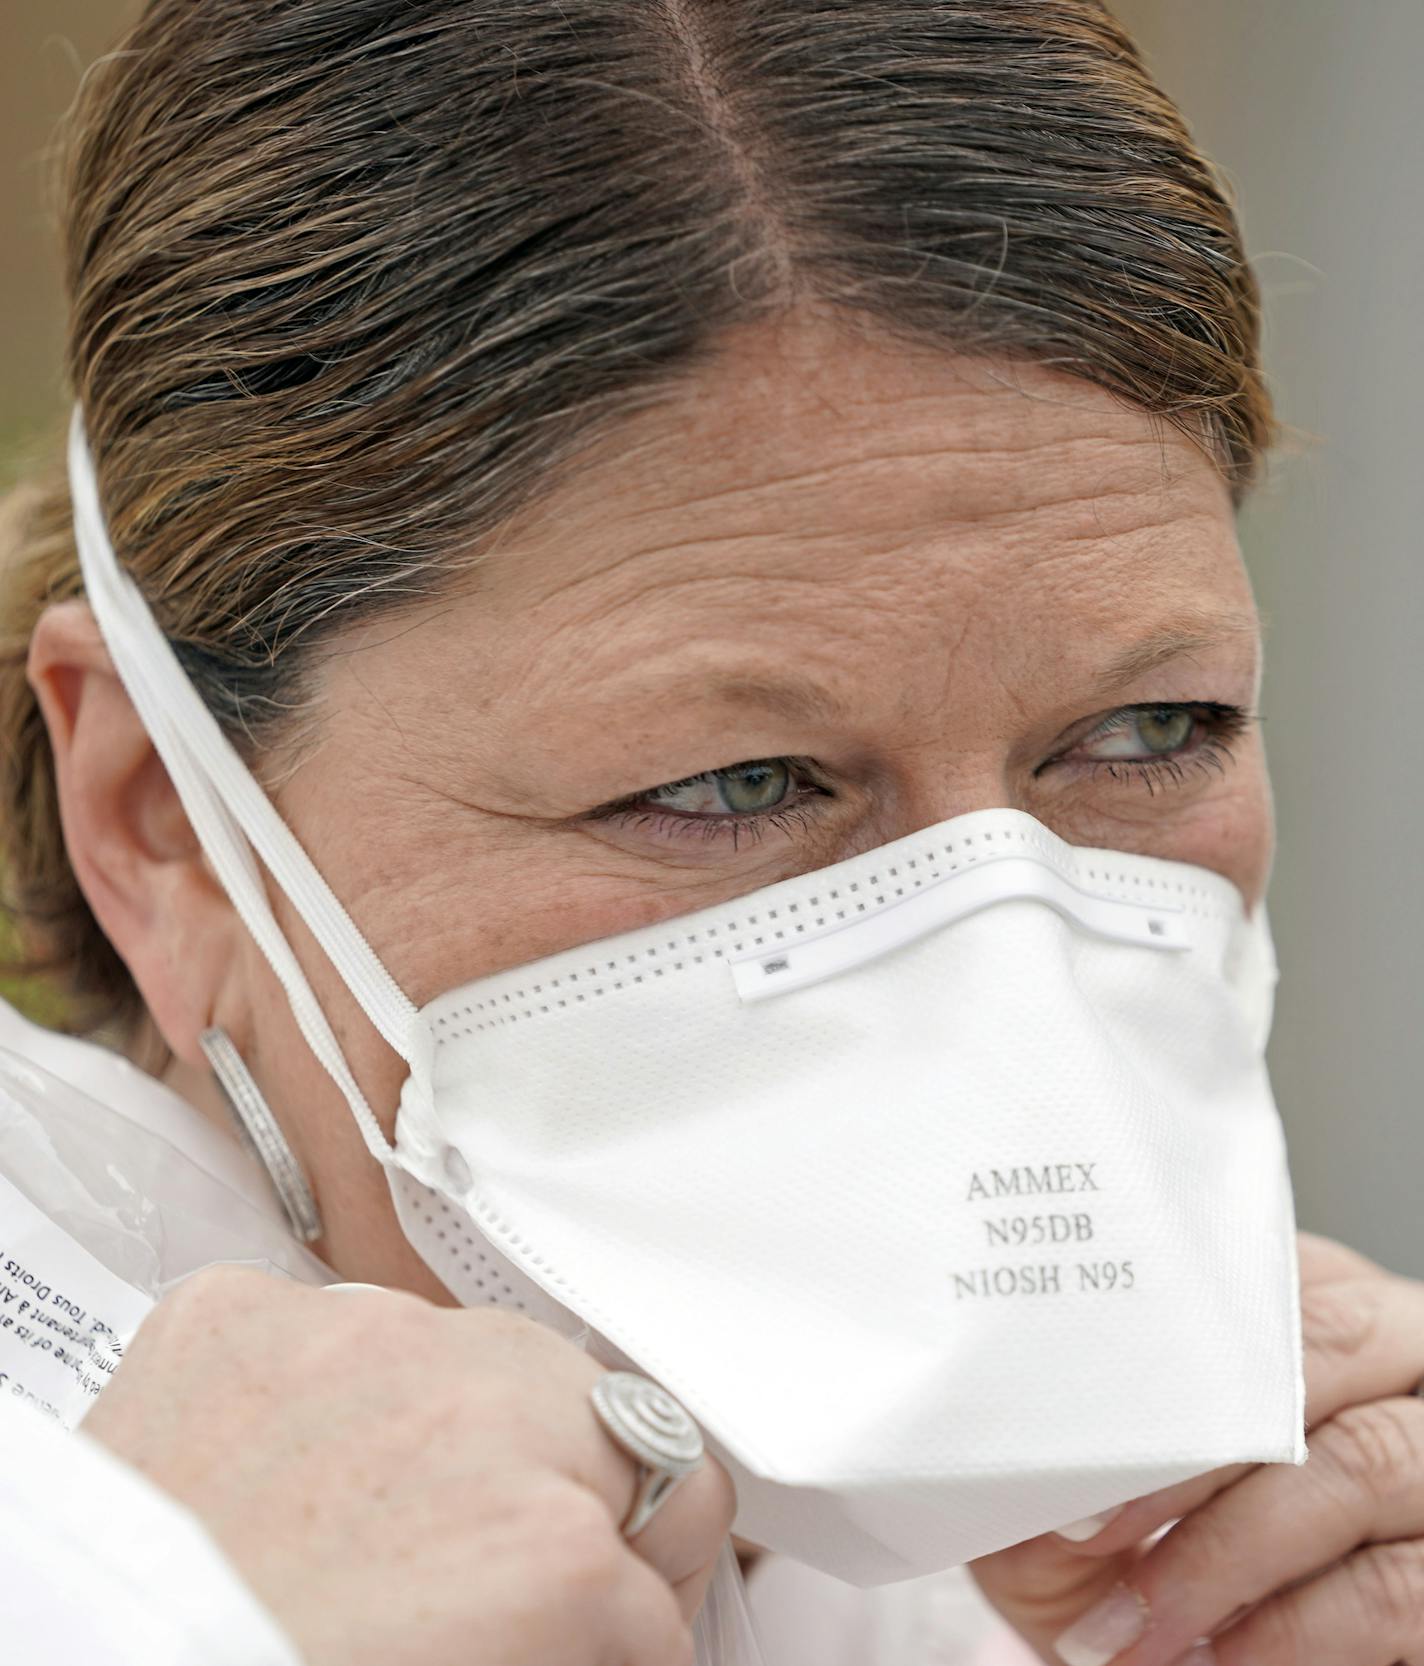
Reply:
x=352, y=280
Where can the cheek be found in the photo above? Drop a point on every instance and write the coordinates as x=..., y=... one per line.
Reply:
x=1233, y=833
x=1228, y=828
x=1263, y=850
x=1240, y=843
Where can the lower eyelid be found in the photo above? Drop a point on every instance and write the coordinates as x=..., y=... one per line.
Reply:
x=1210, y=757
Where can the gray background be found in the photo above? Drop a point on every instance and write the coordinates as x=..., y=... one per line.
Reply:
x=1312, y=109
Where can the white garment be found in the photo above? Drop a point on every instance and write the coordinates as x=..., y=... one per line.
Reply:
x=98, y=1566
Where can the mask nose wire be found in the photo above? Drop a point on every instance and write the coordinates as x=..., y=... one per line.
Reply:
x=231, y=815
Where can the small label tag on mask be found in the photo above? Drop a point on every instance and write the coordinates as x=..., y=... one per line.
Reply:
x=64, y=1317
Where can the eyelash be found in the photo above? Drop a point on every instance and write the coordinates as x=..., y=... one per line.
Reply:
x=1221, y=724
x=734, y=826
x=786, y=818
x=1210, y=751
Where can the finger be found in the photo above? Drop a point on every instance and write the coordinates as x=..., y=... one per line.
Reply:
x=598, y=1602
x=1367, y=1611
x=1114, y=1530
x=1280, y=1525
x=684, y=1535
x=646, y=1625
x=684, y=1538
x=1363, y=1341
x=1322, y=1259
x=1039, y=1588
x=691, y=1592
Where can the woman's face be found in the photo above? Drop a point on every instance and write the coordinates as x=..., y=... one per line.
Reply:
x=830, y=592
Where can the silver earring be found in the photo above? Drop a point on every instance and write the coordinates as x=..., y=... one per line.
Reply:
x=256, y=1123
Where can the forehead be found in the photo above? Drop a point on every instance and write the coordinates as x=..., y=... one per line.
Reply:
x=805, y=451
x=819, y=504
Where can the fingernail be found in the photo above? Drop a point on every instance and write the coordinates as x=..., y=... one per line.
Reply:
x=1104, y=1631
x=1090, y=1526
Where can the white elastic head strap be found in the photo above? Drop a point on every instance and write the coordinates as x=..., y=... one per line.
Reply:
x=231, y=815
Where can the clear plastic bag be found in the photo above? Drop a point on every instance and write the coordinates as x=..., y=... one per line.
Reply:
x=99, y=1217
x=723, y=1633
x=134, y=1201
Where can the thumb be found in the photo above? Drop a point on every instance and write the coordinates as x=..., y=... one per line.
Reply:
x=1042, y=1585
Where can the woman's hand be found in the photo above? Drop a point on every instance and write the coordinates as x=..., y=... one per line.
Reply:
x=408, y=1485
x=1320, y=1565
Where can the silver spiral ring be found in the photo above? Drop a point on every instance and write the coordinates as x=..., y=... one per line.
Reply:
x=655, y=1431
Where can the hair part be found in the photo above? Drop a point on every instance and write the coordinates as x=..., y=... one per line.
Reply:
x=353, y=281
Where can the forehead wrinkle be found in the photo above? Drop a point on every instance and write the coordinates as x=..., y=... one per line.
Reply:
x=953, y=485
x=947, y=448
x=806, y=578
x=721, y=453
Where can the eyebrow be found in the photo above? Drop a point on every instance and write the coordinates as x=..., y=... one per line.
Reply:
x=799, y=702
x=1193, y=634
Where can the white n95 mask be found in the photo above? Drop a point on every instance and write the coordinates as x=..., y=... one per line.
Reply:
x=943, y=1187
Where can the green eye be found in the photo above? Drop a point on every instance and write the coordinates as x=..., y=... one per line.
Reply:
x=745, y=789
x=755, y=786
x=1164, y=728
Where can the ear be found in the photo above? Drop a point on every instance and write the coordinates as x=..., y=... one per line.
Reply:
x=133, y=851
